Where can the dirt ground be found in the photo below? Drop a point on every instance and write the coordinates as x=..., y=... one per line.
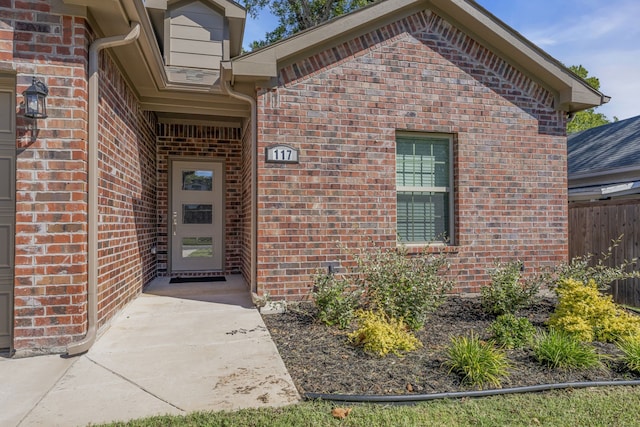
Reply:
x=321, y=360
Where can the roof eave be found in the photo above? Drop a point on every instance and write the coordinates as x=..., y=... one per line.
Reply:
x=572, y=93
x=145, y=69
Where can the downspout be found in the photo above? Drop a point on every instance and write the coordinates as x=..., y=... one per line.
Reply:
x=227, y=90
x=92, y=187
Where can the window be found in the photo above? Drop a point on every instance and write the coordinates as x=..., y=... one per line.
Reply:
x=424, y=176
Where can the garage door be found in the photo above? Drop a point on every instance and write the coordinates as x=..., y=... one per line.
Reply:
x=7, y=203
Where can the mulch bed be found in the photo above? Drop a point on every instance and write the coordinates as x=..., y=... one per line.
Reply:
x=320, y=360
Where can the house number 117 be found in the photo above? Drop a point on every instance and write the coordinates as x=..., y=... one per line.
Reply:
x=281, y=154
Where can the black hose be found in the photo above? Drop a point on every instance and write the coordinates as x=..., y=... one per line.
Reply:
x=415, y=398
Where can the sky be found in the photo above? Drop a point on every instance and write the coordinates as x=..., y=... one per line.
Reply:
x=601, y=35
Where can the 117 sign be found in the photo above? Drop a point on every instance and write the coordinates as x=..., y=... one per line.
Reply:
x=281, y=154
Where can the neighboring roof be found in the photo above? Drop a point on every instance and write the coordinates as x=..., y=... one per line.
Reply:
x=572, y=93
x=605, y=148
x=604, y=161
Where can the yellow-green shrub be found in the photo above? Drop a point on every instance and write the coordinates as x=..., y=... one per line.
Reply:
x=381, y=335
x=584, y=312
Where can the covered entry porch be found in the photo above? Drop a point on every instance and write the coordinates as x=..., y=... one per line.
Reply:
x=97, y=208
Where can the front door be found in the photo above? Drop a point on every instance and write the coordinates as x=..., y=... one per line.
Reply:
x=7, y=203
x=196, y=218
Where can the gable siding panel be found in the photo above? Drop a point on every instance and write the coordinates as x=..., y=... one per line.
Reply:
x=195, y=61
x=197, y=48
x=196, y=34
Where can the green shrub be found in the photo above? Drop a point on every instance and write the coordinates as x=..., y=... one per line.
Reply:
x=510, y=331
x=381, y=335
x=335, y=299
x=507, y=292
x=589, y=315
x=557, y=349
x=630, y=347
x=476, y=362
x=403, y=286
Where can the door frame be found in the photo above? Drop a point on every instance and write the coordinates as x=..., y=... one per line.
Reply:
x=8, y=205
x=172, y=161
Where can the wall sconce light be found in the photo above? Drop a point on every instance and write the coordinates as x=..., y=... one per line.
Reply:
x=35, y=104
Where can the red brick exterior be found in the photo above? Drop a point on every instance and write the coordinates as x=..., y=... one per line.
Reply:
x=50, y=272
x=127, y=224
x=342, y=107
x=246, y=214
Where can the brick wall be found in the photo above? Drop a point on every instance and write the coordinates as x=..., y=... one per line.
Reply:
x=51, y=230
x=246, y=213
x=197, y=142
x=342, y=107
x=51, y=206
x=127, y=193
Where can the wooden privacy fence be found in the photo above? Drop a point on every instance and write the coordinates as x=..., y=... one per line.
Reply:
x=593, y=226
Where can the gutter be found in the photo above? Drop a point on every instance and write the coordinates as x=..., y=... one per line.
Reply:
x=600, y=192
x=628, y=170
x=227, y=90
x=84, y=344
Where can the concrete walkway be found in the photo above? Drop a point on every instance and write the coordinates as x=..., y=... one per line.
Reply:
x=175, y=349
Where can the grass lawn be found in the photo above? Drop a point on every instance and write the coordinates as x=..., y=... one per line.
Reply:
x=615, y=406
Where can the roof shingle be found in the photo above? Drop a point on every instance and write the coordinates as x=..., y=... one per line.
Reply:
x=608, y=147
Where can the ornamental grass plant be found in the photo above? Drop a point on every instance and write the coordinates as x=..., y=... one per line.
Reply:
x=478, y=363
x=560, y=350
x=630, y=348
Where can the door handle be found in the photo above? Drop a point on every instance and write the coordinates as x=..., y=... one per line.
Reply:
x=175, y=222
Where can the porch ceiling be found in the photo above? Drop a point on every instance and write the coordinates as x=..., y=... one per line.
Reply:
x=169, y=90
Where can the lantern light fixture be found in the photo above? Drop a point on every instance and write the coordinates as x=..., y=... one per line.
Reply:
x=35, y=104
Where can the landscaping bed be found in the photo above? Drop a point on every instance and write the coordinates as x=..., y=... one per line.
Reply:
x=321, y=360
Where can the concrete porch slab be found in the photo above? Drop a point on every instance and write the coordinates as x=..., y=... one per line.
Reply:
x=175, y=349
